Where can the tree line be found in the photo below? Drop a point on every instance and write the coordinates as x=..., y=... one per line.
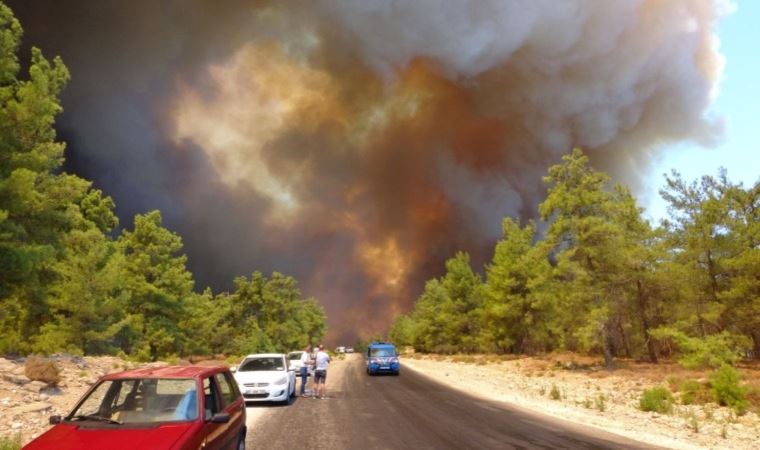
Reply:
x=72, y=280
x=600, y=278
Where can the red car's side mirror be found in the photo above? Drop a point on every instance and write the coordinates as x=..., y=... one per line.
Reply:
x=221, y=417
x=53, y=420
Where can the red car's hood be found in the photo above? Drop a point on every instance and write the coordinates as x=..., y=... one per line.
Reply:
x=73, y=437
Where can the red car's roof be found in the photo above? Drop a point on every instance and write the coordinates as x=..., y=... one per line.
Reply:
x=168, y=372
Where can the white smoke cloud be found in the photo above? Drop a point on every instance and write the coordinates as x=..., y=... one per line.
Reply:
x=583, y=71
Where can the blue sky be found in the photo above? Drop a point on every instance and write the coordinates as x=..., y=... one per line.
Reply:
x=738, y=102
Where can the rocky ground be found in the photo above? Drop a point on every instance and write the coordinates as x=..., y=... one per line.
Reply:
x=27, y=404
x=578, y=389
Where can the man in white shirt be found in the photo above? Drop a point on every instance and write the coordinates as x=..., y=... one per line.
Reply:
x=305, y=363
x=320, y=371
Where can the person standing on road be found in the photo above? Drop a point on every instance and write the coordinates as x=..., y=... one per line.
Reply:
x=305, y=363
x=320, y=371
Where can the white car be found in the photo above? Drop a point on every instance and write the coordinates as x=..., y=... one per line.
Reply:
x=266, y=377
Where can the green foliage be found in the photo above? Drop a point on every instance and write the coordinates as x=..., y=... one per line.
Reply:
x=657, y=399
x=67, y=283
x=447, y=316
x=38, y=205
x=602, y=280
x=251, y=341
x=519, y=309
x=592, y=231
x=402, y=331
x=272, y=314
x=715, y=241
x=712, y=351
x=153, y=288
x=260, y=315
x=694, y=393
x=83, y=306
x=601, y=402
x=10, y=443
x=726, y=389
x=207, y=315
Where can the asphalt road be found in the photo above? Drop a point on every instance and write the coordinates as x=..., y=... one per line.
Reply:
x=411, y=411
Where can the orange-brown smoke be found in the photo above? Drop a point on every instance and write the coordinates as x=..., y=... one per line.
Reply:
x=357, y=145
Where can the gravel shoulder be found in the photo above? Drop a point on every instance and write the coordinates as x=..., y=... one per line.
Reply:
x=597, y=398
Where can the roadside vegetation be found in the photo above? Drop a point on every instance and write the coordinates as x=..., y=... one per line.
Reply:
x=10, y=443
x=73, y=280
x=602, y=281
x=653, y=402
x=657, y=399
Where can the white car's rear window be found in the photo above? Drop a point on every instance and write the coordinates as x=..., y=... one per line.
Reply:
x=261, y=364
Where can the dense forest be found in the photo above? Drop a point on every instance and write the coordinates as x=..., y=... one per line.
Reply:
x=72, y=280
x=592, y=275
x=600, y=278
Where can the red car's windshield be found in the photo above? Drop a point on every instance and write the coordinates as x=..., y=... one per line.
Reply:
x=147, y=400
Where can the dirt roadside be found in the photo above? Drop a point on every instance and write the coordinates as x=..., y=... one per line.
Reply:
x=606, y=400
x=27, y=405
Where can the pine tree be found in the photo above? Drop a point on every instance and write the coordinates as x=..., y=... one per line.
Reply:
x=154, y=289
x=42, y=210
x=519, y=312
x=586, y=238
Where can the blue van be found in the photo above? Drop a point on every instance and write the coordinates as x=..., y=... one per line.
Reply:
x=382, y=357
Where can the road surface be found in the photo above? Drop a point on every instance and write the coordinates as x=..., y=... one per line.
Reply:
x=410, y=411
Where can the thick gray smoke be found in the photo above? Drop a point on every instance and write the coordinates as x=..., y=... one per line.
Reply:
x=357, y=145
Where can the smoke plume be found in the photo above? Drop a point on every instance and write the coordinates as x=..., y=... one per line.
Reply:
x=357, y=145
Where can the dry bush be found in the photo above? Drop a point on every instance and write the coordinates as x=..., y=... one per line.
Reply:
x=555, y=393
x=694, y=393
x=493, y=359
x=601, y=402
x=674, y=383
x=467, y=359
x=42, y=369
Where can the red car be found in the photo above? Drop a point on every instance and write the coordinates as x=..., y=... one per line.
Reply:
x=185, y=407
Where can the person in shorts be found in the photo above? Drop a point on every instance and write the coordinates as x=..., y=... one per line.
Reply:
x=322, y=360
x=305, y=363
